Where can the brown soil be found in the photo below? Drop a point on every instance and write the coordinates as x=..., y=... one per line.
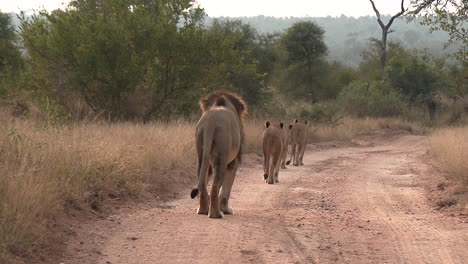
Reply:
x=362, y=202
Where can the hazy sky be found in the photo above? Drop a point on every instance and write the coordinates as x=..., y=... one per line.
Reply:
x=278, y=8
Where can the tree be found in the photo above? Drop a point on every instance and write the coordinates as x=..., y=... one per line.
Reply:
x=370, y=63
x=448, y=15
x=455, y=78
x=108, y=51
x=266, y=55
x=10, y=55
x=304, y=43
x=419, y=77
x=233, y=61
x=301, y=55
x=175, y=57
x=385, y=31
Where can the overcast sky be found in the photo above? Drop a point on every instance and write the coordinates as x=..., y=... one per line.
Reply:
x=278, y=8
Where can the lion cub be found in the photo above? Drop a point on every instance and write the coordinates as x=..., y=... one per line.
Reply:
x=298, y=138
x=275, y=143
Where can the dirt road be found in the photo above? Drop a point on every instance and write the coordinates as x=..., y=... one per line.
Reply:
x=351, y=204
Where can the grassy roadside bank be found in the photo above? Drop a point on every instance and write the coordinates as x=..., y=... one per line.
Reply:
x=449, y=150
x=46, y=169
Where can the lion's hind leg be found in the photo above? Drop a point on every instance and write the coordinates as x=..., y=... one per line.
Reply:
x=297, y=153
x=293, y=153
x=284, y=153
x=274, y=165
x=227, y=185
x=204, y=197
x=277, y=169
x=219, y=173
x=266, y=163
x=301, y=157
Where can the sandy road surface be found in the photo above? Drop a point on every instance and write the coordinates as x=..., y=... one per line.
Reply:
x=362, y=204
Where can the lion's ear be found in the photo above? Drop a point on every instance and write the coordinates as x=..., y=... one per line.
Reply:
x=242, y=107
x=281, y=125
x=306, y=122
x=295, y=121
x=204, y=105
x=290, y=126
x=267, y=124
x=221, y=101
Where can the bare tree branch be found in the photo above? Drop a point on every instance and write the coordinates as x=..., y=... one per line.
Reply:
x=377, y=14
x=397, y=15
x=385, y=31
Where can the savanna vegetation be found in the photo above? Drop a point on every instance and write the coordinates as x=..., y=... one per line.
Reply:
x=449, y=147
x=99, y=101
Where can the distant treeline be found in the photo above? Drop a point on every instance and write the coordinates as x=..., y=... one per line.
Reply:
x=347, y=37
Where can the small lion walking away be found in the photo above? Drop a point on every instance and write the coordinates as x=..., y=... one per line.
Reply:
x=275, y=146
x=219, y=138
x=299, y=141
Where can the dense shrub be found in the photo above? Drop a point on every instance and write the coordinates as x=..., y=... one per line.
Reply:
x=371, y=99
x=319, y=112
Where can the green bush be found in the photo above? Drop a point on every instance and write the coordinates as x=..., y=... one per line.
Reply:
x=371, y=99
x=318, y=113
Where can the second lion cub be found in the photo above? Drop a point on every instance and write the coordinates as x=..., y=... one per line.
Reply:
x=274, y=143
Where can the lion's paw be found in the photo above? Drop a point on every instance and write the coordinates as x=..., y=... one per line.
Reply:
x=214, y=214
x=228, y=210
x=202, y=211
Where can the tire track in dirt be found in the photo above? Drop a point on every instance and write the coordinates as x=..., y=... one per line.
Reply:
x=347, y=205
x=395, y=201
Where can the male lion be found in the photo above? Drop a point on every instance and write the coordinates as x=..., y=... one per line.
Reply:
x=274, y=141
x=219, y=138
x=299, y=140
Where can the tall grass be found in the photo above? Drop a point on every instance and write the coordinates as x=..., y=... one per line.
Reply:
x=44, y=169
x=347, y=128
x=449, y=146
x=253, y=130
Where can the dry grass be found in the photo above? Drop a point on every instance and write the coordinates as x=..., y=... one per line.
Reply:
x=449, y=147
x=45, y=169
x=253, y=135
x=348, y=128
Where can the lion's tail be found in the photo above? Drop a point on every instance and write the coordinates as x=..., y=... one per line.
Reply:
x=208, y=136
